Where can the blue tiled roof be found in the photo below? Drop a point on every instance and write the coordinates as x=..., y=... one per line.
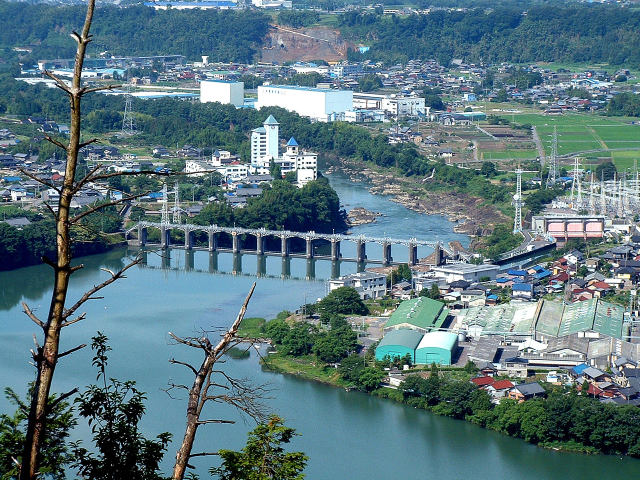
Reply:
x=522, y=287
x=578, y=369
x=292, y=142
x=517, y=273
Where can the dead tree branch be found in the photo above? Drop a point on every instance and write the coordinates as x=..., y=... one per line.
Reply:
x=239, y=393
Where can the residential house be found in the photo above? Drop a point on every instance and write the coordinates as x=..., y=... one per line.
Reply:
x=499, y=389
x=522, y=291
x=526, y=391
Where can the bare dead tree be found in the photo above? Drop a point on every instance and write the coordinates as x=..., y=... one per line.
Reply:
x=46, y=357
x=214, y=385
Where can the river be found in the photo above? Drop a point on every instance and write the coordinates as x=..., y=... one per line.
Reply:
x=347, y=435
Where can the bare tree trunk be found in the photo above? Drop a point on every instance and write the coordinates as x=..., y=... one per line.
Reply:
x=46, y=356
x=241, y=396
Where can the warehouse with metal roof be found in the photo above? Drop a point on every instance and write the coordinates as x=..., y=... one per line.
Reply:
x=436, y=347
x=422, y=314
x=589, y=318
x=399, y=343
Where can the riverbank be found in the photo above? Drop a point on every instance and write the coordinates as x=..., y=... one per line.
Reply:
x=306, y=367
x=463, y=401
x=472, y=215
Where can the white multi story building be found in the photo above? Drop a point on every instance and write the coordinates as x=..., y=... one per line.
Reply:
x=393, y=105
x=367, y=284
x=264, y=145
x=319, y=104
x=265, y=149
x=222, y=91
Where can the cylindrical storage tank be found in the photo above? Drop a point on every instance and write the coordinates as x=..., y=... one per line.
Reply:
x=462, y=336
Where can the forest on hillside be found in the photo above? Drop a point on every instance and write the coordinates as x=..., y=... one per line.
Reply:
x=573, y=33
x=224, y=35
x=514, y=32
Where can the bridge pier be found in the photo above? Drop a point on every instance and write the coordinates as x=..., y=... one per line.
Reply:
x=213, y=241
x=413, y=254
x=286, y=267
x=284, y=246
x=213, y=262
x=237, y=263
x=166, y=259
x=189, y=260
x=236, y=242
x=309, y=251
x=335, y=250
x=361, y=267
x=361, y=252
x=259, y=245
x=438, y=254
x=188, y=239
x=335, y=269
x=386, y=253
x=165, y=237
x=142, y=235
x=261, y=268
x=311, y=269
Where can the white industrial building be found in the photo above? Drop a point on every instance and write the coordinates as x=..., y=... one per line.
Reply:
x=465, y=271
x=367, y=284
x=222, y=91
x=319, y=104
x=393, y=105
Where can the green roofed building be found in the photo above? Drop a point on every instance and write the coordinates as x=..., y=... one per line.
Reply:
x=436, y=347
x=398, y=343
x=590, y=318
x=421, y=314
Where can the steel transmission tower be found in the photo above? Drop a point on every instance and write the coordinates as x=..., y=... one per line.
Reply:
x=517, y=202
x=128, y=123
x=165, y=205
x=177, y=217
x=552, y=178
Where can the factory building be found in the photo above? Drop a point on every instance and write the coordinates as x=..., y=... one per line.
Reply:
x=432, y=347
x=436, y=347
x=399, y=343
x=421, y=314
x=319, y=104
x=564, y=227
x=222, y=91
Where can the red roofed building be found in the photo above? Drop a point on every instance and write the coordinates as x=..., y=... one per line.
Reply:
x=482, y=381
x=499, y=389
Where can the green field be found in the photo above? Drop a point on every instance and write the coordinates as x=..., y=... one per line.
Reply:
x=508, y=154
x=591, y=136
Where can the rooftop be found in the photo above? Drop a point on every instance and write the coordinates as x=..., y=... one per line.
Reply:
x=443, y=340
x=403, y=336
x=421, y=312
x=465, y=268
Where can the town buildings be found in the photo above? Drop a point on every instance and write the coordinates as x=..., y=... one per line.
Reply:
x=367, y=284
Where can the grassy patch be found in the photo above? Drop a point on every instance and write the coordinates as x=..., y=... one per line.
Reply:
x=251, y=327
x=507, y=154
x=308, y=367
x=570, y=446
